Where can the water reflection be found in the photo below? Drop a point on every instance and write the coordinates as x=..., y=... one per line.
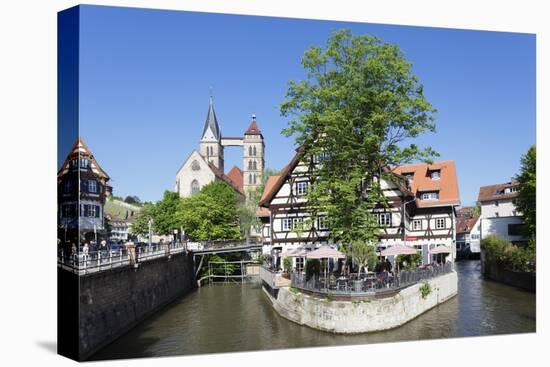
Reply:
x=229, y=318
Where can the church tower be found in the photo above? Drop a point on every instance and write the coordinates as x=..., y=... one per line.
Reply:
x=211, y=142
x=253, y=158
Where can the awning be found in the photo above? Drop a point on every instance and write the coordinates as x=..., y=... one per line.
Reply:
x=398, y=250
x=325, y=252
x=440, y=250
x=294, y=253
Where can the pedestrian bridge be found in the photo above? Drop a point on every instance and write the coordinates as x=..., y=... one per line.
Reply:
x=220, y=247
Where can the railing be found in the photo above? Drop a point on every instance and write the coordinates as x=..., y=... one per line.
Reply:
x=220, y=244
x=101, y=260
x=367, y=284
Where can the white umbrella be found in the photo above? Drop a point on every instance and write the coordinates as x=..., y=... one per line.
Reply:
x=398, y=250
x=325, y=252
x=440, y=250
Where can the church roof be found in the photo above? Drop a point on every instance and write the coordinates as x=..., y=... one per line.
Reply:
x=211, y=122
x=253, y=129
x=236, y=175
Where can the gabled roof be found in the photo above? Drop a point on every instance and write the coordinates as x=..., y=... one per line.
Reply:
x=496, y=192
x=273, y=187
x=466, y=224
x=80, y=148
x=446, y=185
x=253, y=129
x=211, y=123
x=236, y=176
x=233, y=182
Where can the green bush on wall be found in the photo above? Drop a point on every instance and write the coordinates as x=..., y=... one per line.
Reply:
x=513, y=257
x=287, y=264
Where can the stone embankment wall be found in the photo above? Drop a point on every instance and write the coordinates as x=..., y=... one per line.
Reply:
x=112, y=302
x=364, y=316
x=498, y=273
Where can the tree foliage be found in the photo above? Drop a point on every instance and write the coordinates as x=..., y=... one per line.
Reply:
x=165, y=220
x=363, y=254
x=211, y=214
x=526, y=202
x=359, y=110
x=140, y=224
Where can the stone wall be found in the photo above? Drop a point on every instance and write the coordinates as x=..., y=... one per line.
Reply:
x=497, y=272
x=114, y=301
x=364, y=316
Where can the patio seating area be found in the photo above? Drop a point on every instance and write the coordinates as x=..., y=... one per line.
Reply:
x=366, y=284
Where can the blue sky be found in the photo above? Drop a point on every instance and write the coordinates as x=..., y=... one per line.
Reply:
x=145, y=79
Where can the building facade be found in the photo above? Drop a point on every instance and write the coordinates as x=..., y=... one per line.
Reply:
x=421, y=213
x=499, y=215
x=207, y=164
x=468, y=233
x=83, y=187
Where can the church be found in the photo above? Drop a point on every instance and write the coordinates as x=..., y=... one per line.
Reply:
x=207, y=164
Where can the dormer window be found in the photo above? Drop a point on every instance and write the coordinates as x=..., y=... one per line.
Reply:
x=435, y=175
x=510, y=190
x=84, y=163
x=409, y=176
x=430, y=196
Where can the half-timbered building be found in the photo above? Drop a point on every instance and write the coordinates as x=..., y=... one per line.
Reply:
x=82, y=189
x=421, y=211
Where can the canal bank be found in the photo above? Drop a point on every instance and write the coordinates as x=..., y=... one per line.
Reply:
x=366, y=315
x=233, y=318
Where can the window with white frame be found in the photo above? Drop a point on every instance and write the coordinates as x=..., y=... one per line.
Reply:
x=301, y=187
x=435, y=175
x=92, y=186
x=299, y=264
x=440, y=223
x=322, y=223
x=475, y=236
x=430, y=196
x=417, y=224
x=298, y=223
x=287, y=224
x=384, y=219
x=84, y=163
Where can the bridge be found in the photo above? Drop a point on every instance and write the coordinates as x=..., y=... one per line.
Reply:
x=83, y=263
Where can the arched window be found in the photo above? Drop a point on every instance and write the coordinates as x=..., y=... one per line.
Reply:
x=195, y=166
x=249, y=165
x=254, y=179
x=254, y=151
x=195, y=188
x=254, y=167
x=250, y=179
x=250, y=151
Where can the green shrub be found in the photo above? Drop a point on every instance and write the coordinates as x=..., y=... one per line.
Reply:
x=313, y=267
x=294, y=290
x=425, y=290
x=409, y=261
x=513, y=257
x=287, y=265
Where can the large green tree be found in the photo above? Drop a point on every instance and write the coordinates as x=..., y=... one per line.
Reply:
x=165, y=220
x=140, y=224
x=358, y=110
x=211, y=214
x=526, y=202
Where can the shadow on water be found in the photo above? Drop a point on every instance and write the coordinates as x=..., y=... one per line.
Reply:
x=233, y=317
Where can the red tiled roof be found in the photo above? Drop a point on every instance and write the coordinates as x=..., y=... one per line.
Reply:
x=446, y=186
x=222, y=176
x=236, y=175
x=496, y=192
x=465, y=224
x=253, y=128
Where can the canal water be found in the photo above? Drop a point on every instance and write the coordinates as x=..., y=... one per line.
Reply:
x=230, y=318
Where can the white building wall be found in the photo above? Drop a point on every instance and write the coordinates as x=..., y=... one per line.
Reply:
x=186, y=175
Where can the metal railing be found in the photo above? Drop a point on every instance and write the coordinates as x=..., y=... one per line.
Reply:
x=221, y=244
x=101, y=260
x=367, y=284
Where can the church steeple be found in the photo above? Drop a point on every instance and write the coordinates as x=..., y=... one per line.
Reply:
x=211, y=141
x=211, y=131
